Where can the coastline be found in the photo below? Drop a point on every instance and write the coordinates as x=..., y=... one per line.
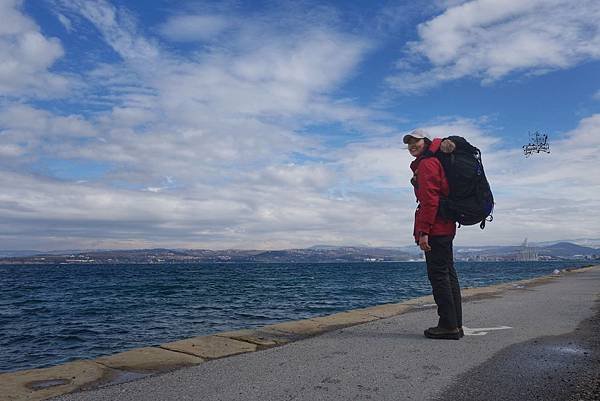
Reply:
x=39, y=384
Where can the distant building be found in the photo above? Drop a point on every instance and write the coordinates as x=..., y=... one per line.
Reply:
x=527, y=253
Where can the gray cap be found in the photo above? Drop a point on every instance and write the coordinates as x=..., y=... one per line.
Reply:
x=418, y=133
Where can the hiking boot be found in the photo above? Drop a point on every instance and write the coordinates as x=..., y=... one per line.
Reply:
x=440, y=333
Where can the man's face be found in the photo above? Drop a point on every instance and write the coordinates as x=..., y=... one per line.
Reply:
x=416, y=146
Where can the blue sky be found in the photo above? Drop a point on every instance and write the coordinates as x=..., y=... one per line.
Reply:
x=128, y=124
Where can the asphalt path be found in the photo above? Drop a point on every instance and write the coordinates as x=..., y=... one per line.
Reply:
x=390, y=359
x=564, y=367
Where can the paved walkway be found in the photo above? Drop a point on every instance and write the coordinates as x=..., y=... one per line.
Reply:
x=388, y=359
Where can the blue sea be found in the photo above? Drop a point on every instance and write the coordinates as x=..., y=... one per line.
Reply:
x=55, y=314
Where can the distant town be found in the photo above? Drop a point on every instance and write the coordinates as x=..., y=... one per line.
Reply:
x=315, y=254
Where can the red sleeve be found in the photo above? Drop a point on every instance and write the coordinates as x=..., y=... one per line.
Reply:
x=429, y=180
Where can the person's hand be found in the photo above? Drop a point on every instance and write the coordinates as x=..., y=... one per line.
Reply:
x=424, y=243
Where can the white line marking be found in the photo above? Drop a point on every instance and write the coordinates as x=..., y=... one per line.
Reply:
x=482, y=331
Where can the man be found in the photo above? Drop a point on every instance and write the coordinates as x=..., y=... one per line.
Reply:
x=433, y=234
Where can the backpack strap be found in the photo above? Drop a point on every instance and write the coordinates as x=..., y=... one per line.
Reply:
x=433, y=148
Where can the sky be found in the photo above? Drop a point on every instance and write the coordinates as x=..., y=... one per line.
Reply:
x=279, y=124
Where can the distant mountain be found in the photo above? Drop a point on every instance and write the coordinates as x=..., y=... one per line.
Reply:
x=333, y=254
x=487, y=250
x=316, y=254
x=587, y=242
x=333, y=247
x=555, y=251
x=12, y=254
x=565, y=249
x=159, y=255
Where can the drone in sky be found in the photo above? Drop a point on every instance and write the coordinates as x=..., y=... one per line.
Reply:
x=538, y=142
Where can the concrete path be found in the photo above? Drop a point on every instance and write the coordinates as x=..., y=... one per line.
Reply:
x=387, y=359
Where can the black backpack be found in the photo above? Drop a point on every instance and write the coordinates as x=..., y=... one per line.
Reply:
x=470, y=200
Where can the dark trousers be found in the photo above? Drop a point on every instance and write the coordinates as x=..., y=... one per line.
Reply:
x=444, y=281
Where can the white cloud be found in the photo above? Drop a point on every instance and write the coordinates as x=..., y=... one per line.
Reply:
x=28, y=122
x=361, y=195
x=561, y=171
x=487, y=39
x=222, y=124
x=30, y=132
x=190, y=28
x=11, y=150
x=26, y=56
x=444, y=4
x=66, y=22
x=549, y=196
x=314, y=177
x=260, y=214
x=233, y=106
x=118, y=29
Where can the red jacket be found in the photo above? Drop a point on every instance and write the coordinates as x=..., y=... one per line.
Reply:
x=430, y=183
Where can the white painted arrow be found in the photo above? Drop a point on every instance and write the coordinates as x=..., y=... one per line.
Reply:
x=482, y=331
